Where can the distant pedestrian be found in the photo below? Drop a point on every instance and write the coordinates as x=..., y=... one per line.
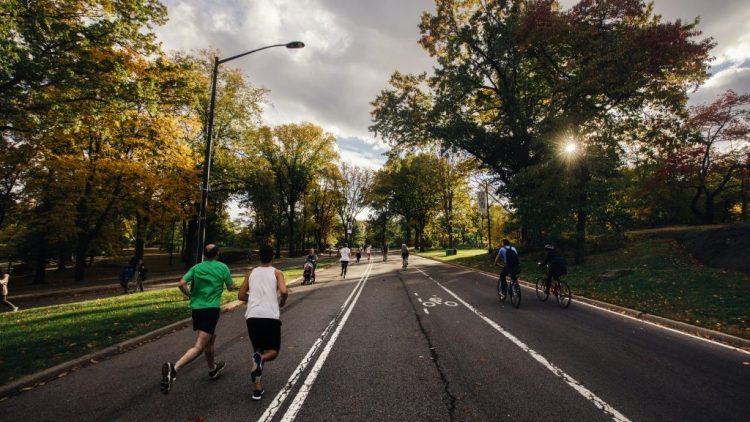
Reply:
x=265, y=291
x=207, y=281
x=368, y=251
x=359, y=254
x=344, y=253
x=140, y=274
x=4, y=278
x=125, y=275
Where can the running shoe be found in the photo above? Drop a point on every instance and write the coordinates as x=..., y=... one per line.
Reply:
x=215, y=373
x=169, y=375
x=257, y=366
x=257, y=394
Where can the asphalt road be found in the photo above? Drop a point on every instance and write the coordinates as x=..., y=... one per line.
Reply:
x=428, y=343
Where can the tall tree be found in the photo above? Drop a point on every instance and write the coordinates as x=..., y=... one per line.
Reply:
x=297, y=153
x=352, y=188
x=513, y=77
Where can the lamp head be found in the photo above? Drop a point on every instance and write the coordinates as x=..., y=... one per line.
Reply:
x=295, y=44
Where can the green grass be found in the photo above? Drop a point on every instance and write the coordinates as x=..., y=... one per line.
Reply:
x=40, y=338
x=665, y=281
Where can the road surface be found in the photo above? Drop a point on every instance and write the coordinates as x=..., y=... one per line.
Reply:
x=428, y=343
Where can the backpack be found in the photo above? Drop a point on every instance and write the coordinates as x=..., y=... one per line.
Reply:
x=511, y=258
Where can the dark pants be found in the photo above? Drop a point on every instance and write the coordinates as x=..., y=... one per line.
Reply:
x=344, y=264
x=4, y=301
x=550, y=275
x=513, y=272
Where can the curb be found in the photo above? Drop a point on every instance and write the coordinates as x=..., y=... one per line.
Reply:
x=40, y=378
x=705, y=333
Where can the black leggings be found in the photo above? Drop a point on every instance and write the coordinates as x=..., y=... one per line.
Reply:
x=344, y=265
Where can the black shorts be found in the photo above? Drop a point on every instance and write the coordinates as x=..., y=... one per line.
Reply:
x=265, y=333
x=206, y=319
x=404, y=255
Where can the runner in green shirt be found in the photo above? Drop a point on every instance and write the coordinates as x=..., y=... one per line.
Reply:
x=206, y=284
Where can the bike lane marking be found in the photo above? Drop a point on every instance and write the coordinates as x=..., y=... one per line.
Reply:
x=345, y=310
x=572, y=382
x=299, y=399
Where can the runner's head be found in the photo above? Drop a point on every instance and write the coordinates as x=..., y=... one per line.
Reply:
x=211, y=251
x=346, y=245
x=266, y=254
x=506, y=242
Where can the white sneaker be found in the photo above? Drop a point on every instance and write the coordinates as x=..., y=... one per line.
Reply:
x=15, y=309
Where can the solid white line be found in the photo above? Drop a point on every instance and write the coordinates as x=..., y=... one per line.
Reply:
x=304, y=390
x=708, y=340
x=282, y=395
x=585, y=392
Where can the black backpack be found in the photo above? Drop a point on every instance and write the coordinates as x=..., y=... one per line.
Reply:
x=511, y=258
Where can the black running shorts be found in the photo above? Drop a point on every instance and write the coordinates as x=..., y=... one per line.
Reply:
x=265, y=333
x=206, y=319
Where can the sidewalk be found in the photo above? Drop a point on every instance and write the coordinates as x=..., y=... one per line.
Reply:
x=106, y=286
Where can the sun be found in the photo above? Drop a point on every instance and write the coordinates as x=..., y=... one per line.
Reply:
x=570, y=147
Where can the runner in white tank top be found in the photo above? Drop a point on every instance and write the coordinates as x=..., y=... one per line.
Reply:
x=265, y=291
x=263, y=301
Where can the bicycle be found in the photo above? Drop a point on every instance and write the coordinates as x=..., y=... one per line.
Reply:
x=558, y=288
x=514, y=290
x=138, y=278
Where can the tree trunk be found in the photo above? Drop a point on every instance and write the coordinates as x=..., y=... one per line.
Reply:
x=745, y=188
x=82, y=247
x=40, y=264
x=191, y=243
x=580, y=246
x=140, y=243
x=710, y=210
x=62, y=261
x=290, y=222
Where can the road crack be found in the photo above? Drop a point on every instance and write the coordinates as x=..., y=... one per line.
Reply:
x=450, y=399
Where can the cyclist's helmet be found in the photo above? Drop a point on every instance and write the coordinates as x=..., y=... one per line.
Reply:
x=549, y=247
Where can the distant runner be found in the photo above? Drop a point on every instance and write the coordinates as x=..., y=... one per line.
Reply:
x=265, y=292
x=404, y=255
x=207, y=281
x=344, y=252
x=368, y=251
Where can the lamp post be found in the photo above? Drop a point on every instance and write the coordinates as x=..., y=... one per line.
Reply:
x=209, y=142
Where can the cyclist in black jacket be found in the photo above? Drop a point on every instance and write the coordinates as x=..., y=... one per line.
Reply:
x=557, y=265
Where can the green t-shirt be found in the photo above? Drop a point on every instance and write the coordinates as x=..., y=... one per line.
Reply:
x=207, y=281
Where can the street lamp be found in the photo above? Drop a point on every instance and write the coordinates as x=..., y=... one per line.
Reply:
x=209, y=141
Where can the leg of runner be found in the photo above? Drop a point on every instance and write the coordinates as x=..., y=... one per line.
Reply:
x=201, y=343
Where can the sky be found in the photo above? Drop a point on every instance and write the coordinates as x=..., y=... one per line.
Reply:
x=353, y=46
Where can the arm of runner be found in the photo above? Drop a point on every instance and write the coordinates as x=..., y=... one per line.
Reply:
x=183, y=286
x=281, y=287
x=242, y=294
x=497, y=257
x=229, y=282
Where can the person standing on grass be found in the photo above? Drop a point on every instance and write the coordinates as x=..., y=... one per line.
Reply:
x=4, y=278
x=207, y=281
x=344, y=253
x=265, y=292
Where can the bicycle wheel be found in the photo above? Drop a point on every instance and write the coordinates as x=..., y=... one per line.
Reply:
x=563, y=295
x=540, y=284
x=515, y=292
x=500, y=294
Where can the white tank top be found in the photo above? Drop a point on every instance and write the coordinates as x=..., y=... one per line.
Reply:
x=263, y=301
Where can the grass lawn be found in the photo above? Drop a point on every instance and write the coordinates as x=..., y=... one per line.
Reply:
x=666, y=281
x=40, y=338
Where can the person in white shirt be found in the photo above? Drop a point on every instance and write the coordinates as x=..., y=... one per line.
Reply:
x=265, y=292
x=344, y=253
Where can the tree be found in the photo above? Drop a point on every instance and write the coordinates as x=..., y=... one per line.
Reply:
x=514, y=77
x=716, y=148
x=296, y=153
x=352, y=187
x=408, y=185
